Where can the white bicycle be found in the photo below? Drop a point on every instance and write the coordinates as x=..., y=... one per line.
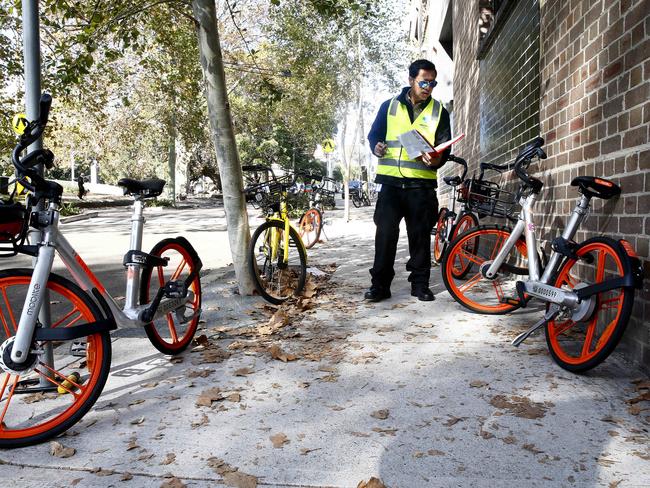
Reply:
x=55, y=349
x=588, y=287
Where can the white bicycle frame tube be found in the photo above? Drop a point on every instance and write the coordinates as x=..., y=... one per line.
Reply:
x=53, y=241
x=526, y=226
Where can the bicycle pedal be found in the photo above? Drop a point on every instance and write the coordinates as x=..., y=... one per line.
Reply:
x=182, y=318
x=510, y=301
x=78, y=348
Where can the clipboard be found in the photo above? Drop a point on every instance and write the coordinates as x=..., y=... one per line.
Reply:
x=416, y=144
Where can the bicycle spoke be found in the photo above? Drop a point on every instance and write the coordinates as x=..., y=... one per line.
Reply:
x=179, y=269
x=470, y=283
x=11, y=313
x=471, y=257
x=611, y=303
x=591, y=328
x=8, y=400
x=498, y=289
x=4, y=385
x=65, y=317
x=562, y=328
x=172, y=327
x=60, y=375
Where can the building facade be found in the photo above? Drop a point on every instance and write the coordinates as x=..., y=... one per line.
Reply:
x=577, y=73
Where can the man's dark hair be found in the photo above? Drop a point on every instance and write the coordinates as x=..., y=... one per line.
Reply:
x=419, y=64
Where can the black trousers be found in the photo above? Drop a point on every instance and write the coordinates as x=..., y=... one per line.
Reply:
x=419, y=206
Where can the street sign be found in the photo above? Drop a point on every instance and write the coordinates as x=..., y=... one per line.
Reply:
x=328, y=145
x=19, y=123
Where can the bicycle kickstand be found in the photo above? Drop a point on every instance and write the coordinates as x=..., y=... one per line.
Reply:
x=553, y=310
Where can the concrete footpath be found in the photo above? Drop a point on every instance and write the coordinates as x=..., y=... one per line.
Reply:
x=329, y=391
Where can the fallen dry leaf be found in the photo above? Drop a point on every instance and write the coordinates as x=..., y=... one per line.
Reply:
x=214, y=354
x=173, y=483
x=208, y=396
x=126, y=476
x=204, y=420
x=453, y=420
x=234, y=397
x=435, y=452
x=59, y=450
x=371, y=483
x=380, y=414
x=169, y=458
x=243, y=371
x=200, y=373
x=390, y=432
x=478, y=384
x=137, y=421
x=240, y=480
x=304, y=451
x=220, y=466
x=277, y=353
x=279, y=440
x=519, y=406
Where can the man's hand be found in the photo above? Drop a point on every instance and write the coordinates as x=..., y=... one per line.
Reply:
x=432, y=162
x=380, y=149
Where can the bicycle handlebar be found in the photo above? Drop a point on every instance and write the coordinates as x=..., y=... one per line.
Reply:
x=526, y=154
x=460, y=161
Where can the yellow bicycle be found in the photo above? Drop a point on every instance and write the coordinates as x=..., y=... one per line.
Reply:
x=277, y=254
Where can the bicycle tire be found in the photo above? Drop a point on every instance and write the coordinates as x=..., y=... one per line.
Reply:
x=276, y=281
x=356, y=201
x=466, y=222
x=564, y=338
x=310, y=226
x=41, y=416
x=482, y=238
x=440, y=240
x=169, y=334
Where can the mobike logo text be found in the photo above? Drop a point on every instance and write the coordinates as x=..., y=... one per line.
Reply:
x=547, y=292
x=33, y=299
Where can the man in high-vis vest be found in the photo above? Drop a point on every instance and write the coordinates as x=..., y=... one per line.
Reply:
x=408, y=187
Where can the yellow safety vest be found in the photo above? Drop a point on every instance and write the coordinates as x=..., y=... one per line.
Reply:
x=396, y=161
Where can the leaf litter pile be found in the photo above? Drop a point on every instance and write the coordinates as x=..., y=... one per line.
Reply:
x=281, y=331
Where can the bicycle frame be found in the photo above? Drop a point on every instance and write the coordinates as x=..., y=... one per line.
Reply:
x=538, y=286
x=53, y=240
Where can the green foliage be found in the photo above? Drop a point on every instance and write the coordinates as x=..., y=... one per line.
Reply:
x=69, y=208
x=125, y=78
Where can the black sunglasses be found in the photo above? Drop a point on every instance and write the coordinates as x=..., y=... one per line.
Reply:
x=427, y=84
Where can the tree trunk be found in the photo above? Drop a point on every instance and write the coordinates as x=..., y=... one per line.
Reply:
x=346, y=168
x=223, y=136
x=171, y=186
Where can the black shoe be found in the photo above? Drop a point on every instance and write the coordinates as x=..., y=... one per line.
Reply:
x=423, y=294
x=376, y=295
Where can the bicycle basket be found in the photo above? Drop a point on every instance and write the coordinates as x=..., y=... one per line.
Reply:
x=487, y=198
x=14, y=223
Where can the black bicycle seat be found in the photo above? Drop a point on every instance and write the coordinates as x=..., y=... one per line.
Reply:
x=596, y=187
x=142, y=188
x=452, y=180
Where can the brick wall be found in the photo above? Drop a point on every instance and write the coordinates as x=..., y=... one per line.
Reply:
x=594, y=112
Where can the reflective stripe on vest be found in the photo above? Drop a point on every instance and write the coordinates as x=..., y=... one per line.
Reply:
x=396, y=161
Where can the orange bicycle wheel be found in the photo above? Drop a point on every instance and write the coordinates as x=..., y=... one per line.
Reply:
x=440, y=239
x=467, y=221
x=580, y=346
x=462, y=275
x=44, y=397
x=310, y=227
x=173, y=332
